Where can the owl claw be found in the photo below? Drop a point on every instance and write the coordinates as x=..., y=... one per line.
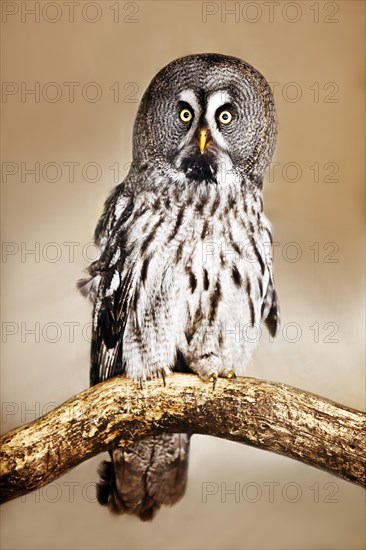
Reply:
x=163, y=377
x=213, y=379
x=231, y=375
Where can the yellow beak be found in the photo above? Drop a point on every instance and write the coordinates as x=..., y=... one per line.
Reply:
x=202, y=140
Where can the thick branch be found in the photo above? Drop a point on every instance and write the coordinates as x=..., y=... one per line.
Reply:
x=270, y=416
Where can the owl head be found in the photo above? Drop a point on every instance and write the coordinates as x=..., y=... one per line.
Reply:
x=204, y=117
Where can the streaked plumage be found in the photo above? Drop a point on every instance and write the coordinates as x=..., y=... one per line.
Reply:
x=185, y=268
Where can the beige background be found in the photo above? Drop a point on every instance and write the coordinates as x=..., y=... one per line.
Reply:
x=324, y=61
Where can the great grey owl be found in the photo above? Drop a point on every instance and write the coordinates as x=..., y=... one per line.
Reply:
x=185, y=265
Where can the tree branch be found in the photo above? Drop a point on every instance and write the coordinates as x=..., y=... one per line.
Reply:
x=270, y=416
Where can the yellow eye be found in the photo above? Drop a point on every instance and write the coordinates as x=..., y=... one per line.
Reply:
x=186, y=115
x=225, y=117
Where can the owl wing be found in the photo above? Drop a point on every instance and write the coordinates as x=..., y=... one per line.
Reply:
x=271, y=309
x=109, y=321
x=108, y=289
x=270, y=304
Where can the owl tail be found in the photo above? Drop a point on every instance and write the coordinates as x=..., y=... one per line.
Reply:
x=143, y=477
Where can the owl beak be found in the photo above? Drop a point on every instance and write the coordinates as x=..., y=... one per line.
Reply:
x=203, y=139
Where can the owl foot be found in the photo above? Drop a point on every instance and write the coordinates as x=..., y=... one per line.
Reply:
x=230, y=375
x=161, y=373
x=209, y=368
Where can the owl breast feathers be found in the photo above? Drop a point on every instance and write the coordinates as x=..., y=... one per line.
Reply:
x=184, y=278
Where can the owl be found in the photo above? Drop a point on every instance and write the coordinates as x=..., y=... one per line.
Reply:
x=184, y=276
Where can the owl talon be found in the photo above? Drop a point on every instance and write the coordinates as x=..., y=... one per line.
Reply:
x=213, y=379
x=163, y=377
x=231, y=375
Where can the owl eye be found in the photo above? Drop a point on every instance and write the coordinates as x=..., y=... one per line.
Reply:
x=186, y=115
x=225, y=117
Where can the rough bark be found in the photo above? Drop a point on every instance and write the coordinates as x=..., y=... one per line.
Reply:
x=270, y=416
